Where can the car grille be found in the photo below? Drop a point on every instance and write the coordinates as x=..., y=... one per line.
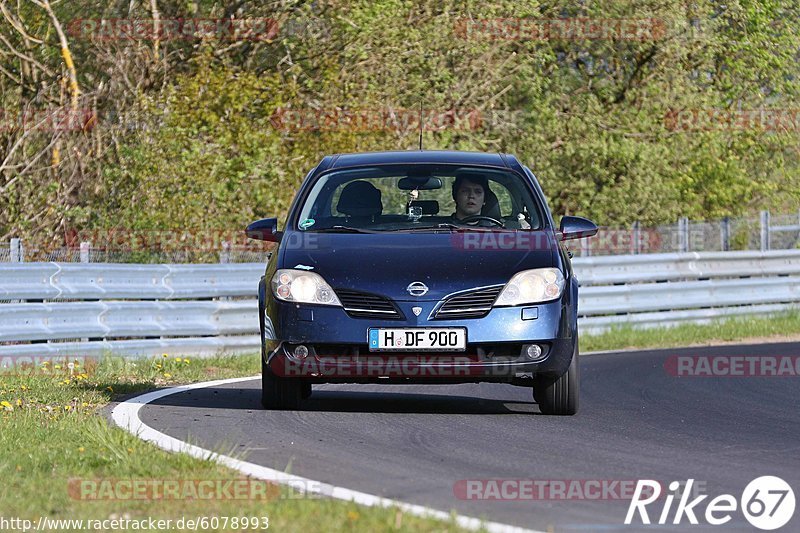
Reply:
x=363, y=305
x=471, y=304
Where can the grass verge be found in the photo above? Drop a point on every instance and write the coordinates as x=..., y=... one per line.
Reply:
x=755, y=329
x=53, y=438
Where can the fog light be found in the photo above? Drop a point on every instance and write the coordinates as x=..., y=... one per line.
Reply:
x=533, y=351
x=301, y=352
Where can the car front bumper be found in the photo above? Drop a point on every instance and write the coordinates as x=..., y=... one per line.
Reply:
x=339, y=353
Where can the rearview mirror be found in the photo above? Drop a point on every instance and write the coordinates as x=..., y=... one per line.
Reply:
x=265, y=229
x=421, y=183
x=576, y=228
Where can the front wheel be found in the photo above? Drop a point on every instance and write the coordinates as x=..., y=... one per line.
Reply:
x=559, y=396
x=280, y=393
x=306, y=391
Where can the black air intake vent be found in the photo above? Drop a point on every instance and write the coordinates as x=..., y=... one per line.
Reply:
x=471, y=304
x=364, y=305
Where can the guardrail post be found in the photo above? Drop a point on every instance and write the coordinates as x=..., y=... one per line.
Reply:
x=17, y=253
x=225, y=254
x=586, y=249
x=86, y=248
x=765, y=231
x=725, y=234
x=683, y=234
x=636, y=243
x=797, y=242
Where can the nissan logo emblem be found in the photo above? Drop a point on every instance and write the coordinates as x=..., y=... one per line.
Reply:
x=417, y=288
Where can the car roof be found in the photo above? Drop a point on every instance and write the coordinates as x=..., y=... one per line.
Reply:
x=419, y=156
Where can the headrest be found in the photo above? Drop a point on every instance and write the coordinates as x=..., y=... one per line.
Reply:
x=360, y=198
x=491, y=207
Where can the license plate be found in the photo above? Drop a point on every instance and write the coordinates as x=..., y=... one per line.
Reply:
x=418, y=339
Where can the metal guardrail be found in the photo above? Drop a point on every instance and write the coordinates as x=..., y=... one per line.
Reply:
x=147, y=309
x=611, y=269
x=698, y=287
x=56, y=321
x=82, y=281
x=666, y=297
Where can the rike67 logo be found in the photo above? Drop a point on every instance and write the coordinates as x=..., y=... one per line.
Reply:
x=767, y=503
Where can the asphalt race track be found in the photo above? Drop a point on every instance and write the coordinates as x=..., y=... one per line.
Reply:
x=414, y=443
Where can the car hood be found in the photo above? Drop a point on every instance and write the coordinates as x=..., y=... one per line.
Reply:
x=446, y=262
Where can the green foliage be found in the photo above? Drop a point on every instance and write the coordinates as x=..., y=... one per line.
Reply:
x=203, y=160
x=187, y=137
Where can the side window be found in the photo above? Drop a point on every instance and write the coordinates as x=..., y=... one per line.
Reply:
x=503, y=198
x=392, y=198
x=335, y=201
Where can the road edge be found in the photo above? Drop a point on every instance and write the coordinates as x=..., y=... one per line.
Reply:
x=126, y=415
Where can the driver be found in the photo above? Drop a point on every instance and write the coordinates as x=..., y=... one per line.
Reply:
x=469, y=193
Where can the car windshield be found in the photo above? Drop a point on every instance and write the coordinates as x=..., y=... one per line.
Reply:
x=404, y=198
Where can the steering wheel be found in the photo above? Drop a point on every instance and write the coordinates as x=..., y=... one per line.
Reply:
x=477, y=218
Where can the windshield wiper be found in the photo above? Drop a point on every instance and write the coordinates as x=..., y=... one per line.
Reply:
x=343, y=229
x=441, y=226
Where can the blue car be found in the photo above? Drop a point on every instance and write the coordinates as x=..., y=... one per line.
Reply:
x=420, y=267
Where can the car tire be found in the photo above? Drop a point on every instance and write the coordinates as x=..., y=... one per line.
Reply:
x=559, y=396
x=306, y=390
x=279, y=393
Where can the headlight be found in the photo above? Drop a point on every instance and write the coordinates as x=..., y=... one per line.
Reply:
x=532, y=286
x=303, y=287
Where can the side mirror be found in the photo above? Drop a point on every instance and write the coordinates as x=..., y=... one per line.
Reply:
x=265, y=229
x=576, y=228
